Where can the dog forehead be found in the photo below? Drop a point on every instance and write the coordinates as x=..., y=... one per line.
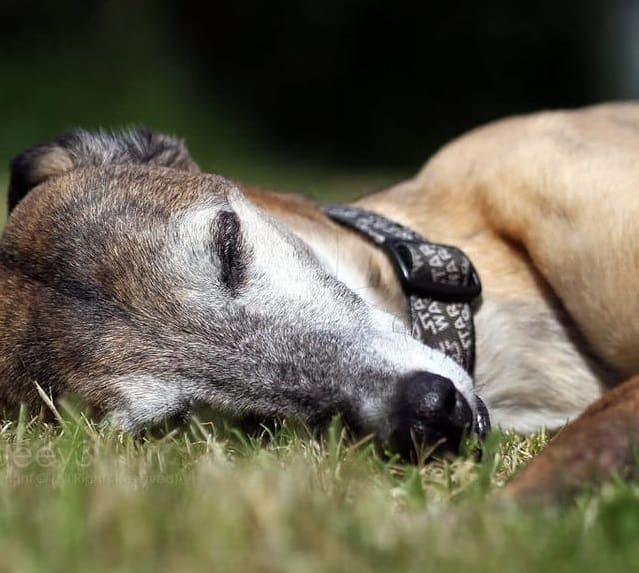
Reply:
x=157, y=188
x=96, y=213
x=96, y=193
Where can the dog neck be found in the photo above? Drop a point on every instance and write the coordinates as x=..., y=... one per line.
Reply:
x=347, y=255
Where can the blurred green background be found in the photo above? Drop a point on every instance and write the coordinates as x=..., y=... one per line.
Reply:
x=331, y=99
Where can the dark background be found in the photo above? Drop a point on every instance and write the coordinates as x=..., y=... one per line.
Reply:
x=315, y=96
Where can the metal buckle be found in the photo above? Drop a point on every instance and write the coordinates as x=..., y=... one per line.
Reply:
x=402, y=260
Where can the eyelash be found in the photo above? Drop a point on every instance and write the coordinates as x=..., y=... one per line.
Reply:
x=229, y=249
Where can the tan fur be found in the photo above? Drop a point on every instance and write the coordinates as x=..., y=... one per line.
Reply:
x=56, y=162
x=563, y=186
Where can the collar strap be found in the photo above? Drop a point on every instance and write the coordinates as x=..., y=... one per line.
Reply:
x=439, y=281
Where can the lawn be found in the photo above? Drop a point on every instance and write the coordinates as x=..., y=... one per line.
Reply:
x=74, y=497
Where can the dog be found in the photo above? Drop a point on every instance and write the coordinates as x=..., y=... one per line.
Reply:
x=144, y=286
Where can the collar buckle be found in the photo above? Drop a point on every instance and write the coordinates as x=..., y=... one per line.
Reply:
x=420, y=280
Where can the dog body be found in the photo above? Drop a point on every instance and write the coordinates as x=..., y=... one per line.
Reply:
x=145, y=286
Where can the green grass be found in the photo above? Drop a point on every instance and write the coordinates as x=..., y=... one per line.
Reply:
x=74, y=497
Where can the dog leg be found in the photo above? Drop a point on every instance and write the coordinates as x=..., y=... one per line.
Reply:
x=600, y=444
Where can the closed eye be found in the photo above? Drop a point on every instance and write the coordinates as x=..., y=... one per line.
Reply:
x=228, y=244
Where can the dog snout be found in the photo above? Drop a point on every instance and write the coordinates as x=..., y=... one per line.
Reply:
x=429, y=414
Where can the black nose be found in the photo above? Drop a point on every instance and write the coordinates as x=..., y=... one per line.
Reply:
x=427, y=414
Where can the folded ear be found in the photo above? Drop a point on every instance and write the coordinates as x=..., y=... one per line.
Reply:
x=80, y=148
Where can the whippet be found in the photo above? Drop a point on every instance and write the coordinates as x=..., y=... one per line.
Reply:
x=144, y=286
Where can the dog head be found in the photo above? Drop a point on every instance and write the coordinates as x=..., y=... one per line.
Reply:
x=144, y=286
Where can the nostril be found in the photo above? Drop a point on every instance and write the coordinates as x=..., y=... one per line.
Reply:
x=451, y=402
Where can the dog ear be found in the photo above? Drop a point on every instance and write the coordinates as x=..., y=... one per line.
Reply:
x=80, y=148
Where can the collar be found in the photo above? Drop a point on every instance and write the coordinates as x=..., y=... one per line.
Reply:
x=440, y=283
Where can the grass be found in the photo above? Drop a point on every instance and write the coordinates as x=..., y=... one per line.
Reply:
x=75, y=497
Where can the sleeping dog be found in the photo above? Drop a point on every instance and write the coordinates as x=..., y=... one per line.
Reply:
x=144, y=286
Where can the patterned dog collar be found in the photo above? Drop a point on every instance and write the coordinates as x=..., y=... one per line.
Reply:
x=440, y=283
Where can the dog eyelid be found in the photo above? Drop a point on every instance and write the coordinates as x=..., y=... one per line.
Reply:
x=228, y=246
